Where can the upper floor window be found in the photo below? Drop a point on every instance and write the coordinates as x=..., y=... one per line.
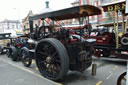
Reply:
x=84, y=2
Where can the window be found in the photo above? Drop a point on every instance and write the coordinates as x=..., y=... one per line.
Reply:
x=106, y=14
x=119, y=13
x=13, y=26
x=84, y=2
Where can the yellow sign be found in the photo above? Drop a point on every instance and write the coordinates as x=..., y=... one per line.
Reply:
x=117, y=7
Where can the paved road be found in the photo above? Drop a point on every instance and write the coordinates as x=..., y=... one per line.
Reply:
x=14, y=73
x=107, y=74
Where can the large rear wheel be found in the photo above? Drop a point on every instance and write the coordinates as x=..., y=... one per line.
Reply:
x=52, y=59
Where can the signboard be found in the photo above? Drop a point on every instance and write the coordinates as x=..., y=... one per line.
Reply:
x=126, y=9
x=114, y=7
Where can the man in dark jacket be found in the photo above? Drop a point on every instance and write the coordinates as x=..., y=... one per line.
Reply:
x=89, y=28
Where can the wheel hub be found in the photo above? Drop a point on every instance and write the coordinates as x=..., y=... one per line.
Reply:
x=124, y=41
x=49, y=59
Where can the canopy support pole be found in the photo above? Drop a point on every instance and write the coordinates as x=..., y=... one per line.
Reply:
x=114, y=21
x=117, y=38
x=126, y=25
x=123, y=24
x=127, y=74
x=115, y=26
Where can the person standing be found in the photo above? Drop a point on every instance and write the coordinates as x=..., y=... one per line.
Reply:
x=88, y=27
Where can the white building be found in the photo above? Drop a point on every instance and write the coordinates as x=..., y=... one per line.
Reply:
x=10, y=26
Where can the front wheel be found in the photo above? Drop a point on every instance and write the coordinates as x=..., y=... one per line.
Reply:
x=26, y=60
x=8, y=52
x=13, y=53
x=52, y=59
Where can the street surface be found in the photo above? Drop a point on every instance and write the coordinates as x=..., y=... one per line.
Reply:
x=14, y=73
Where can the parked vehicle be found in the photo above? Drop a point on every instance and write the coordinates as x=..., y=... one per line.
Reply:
x=4, y=39
x=112, y=40
x=14, y=47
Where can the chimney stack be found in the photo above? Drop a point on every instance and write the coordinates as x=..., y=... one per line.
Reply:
x=47, y=4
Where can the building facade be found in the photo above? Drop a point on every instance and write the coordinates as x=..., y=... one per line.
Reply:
x=105, y=17
x=25, y=22
x=39, y=22
x=7, y=25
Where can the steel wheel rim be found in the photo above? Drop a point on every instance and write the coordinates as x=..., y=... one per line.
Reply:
x=8, y=52
x=25, y=57
x=11, y=54
x=122, y=79
x=49, y=60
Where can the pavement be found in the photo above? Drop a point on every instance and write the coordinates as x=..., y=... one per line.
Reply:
x=14, y=73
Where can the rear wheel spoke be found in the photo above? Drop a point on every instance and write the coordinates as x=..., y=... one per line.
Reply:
x=43, y=61
x=46, y=48
x=43, y=53
x=54, y=53
x=57, y=61
x=56, y=69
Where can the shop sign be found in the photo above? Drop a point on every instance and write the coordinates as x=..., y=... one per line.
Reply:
x=115, y=7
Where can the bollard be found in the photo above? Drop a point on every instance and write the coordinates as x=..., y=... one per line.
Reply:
x=94, y=69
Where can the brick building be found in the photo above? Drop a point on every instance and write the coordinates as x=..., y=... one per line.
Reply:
x=105, y=17
x=25, y=22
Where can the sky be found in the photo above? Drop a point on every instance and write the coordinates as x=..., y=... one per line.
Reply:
x=18, y=9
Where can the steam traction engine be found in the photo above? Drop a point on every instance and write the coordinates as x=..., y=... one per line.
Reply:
x=56, y=52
